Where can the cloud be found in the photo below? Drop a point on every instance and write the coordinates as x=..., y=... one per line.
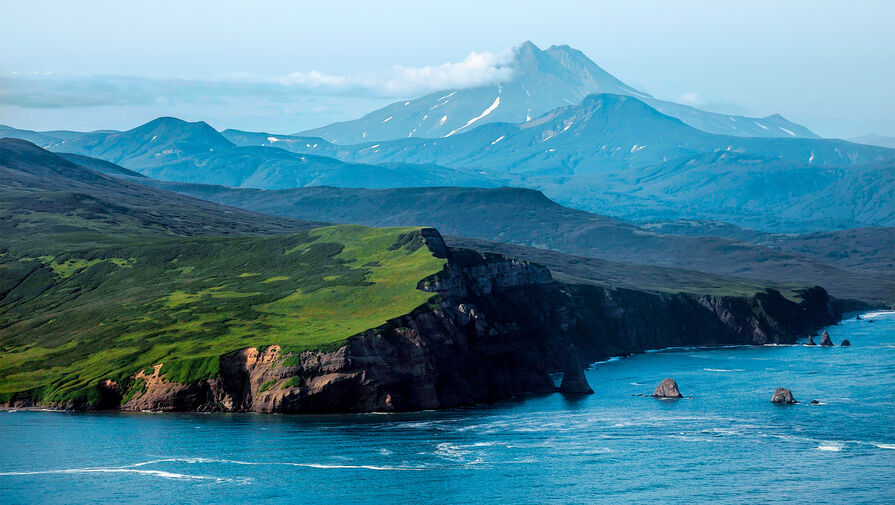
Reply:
x=694, y=99
x=48, y=90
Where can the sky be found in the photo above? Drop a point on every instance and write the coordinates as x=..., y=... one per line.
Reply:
x=286, y=66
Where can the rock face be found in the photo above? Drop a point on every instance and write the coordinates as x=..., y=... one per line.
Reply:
x=574, y=381
x=497, y=327
x=845, y=343
x=825, y=339
x=810, y=340
x=667, y=389
x=783, y=395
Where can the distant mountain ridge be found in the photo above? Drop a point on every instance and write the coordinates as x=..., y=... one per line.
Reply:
x=172, y=149
x=616, y=155
x=526, y=217
x=542, y=81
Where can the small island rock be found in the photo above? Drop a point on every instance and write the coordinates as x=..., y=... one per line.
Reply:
x=667, y=389
x=574, y=381
x=825, y=339
x=810, y=340
x=815, y=402
x=783, y=395
x=845, y=343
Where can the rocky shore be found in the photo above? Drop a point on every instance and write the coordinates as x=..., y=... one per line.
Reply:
x=497, y=328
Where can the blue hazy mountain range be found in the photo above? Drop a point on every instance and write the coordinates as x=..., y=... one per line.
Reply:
x=542, y=80
x=171, y=149
x=609, y=153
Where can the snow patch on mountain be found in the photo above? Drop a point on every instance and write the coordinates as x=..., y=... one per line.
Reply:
x=487, y=111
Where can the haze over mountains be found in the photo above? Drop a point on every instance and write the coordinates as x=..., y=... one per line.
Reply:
x=611, y=154
x=542, y=80
x=616, y=152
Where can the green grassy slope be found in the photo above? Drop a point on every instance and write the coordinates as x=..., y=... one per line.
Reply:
x=85, y=315
x=102, y=277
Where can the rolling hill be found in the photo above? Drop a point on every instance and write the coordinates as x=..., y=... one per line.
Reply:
x=527, y=217
x=103, y=277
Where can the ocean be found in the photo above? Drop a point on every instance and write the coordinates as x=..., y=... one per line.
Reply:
x=725, y=442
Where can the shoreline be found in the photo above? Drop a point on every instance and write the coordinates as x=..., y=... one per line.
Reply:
x=589, y=366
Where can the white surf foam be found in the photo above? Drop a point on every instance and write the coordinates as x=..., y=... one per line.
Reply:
x=152, y=473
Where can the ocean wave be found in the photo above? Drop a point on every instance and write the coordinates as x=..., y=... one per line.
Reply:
x=885, y=446
x=274, y=463
x=129, y=469
x=830, y=446
x=723, y=370
x=882, y=313
x=610, y=360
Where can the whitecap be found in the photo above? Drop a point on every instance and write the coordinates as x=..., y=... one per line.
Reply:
x=723, y=370
x=830, y=446
x=152, y=473
x=885, y=446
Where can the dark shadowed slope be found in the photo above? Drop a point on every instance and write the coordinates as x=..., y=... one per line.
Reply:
x=43, y=194
x=527, y=217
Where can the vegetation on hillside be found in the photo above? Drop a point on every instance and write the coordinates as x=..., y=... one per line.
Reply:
x=70, y=319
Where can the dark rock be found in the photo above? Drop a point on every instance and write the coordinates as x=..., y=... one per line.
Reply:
x=574, y=381
x=858, y=317
x=810, y=340
x=783, y=395
x=501, y=327
x=109, y=395
x=845, y=343
x=815, y=402
x=825, y=339
x=667, y=389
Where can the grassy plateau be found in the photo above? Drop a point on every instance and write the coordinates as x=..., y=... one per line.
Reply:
x=70, y=319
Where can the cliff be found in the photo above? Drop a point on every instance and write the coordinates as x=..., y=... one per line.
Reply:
x=498, y=327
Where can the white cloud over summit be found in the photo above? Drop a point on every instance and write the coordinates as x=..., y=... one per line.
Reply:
x=52, y=90
x=477, y=69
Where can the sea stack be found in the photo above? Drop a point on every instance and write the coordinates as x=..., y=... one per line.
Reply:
x=810, y=340
x=574, y=382
x=845, y=343
x=667, y=389
x=783, y=395
x=825, y=339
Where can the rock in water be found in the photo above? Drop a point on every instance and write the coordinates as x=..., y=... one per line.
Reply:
x=845, y=343
x=667, y=389
x=574, y=381
x=825, y=339
x=783, y=395
x=810, y=340
x=815, y=402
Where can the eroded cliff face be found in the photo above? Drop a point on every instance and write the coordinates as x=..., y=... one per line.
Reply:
x=496, y=328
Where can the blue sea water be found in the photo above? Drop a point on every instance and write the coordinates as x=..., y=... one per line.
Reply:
x=725, y=443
